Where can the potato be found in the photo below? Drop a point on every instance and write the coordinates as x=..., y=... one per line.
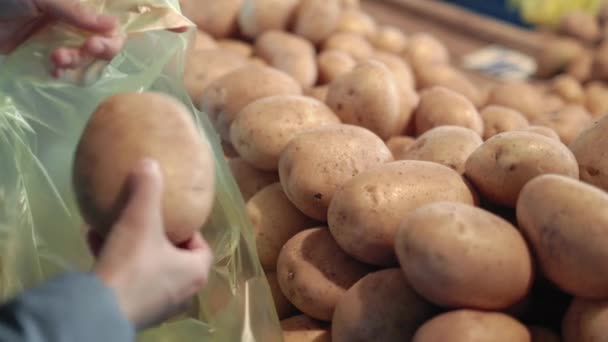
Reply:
x=218, y=18
x=401, y=70
x=379, y=307
x=569, y=89
x=127, y=128
x=316, y=163
x=400, y=145
x=263, y=128
x=581, y=25
x=443, y=248
x=319, y=93
x=472, y=326
x=368, y=96
x=424, y=49
x=239, y=47
x=569, y=122
x=229, y=151
x=499, y=119
x=441, y=106
x=507, y=161
x=548, y=210
x=357, y=21
x=444, y=75
x=519, y=96
x=581, y=67
x=389, y=39
x=557, y=54
x=542, y=130
x=365, y=213
x=249, y=179
x=284, y=308
x=225, y=97
x=333, y=64
x=259, y=16
x=541, y=334
x=586, y=321
x=553, y=103
x=206, y=66
x=600, y=62
x=304, y=329
x=597, y=99
x=591, y=152
x=316, y=20
x=353, y=44
x=290, y=54
x=347, y=4
x=275, y=220
x=203, y=41
x=314, y=273
x=450, y=146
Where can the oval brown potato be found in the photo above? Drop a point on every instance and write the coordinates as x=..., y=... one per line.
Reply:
x=316, y=163
x=390, y=39
x=568, y=123
x=506, y=162
x=127, y=128
x=241, y=48
x=542, y=130
x=304, y=329
x=353, y=20
x=399, y=145
x=447, y=76
x=450, y=146
x=597, y=99
x=472, y=326
x=591, y=152
x=369, y=97
x=586, y=321
x=259, y=16
x=249, y=179
x=379, y=307
x=566, y=223
x=333, y=64
x=318, y=93
x=217, y=18
x=317, y=19
x=569, y=89
x=225, y=97
x=314, y=273
x=401, y=70
x=459, y=256
x=284, y=308
x=498, y=119
x=262, y=129
x=354, y=44
x=441, y=107
x=365, y=213
x=519, y=96
x=275, y=220
x=424, y=49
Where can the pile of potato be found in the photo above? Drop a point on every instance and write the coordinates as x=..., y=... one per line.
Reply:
x=392, y=198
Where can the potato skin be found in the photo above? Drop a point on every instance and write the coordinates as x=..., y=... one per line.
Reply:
x=472, y=326
x=447, y=76
x=519, y=96
x=262, y=129
x=333, y=64
x=441, y=107
x=275, y=220
x=591, y=152
x=224, y=98
x=444, y=247
x=399, y=145
x=317, y=19
x=596, y=99
x=568, y=123
x=389, y=39
x=319, y=93
x=424, y=49
x=316, y=163
x=379, y=307
x=498, y=119
x=586, y=321
x=450, y=146
x=249, y=179
x=284, y=308
x=401, y=70
x=206, y=66
x=259, y=16
x=314, y=273
x=217, y=18
x=353, y=44
x=569, y=89
x=239, y=47
x=506, y=162
x=127, y=128
x=365, y=213
x=542, y=334
x=302, y=328
x=369, y=97
x=542, y=130
x=290, y=54
x=353, y=20
x=547, y=210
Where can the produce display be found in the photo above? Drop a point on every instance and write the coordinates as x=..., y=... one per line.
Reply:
x=392, y=197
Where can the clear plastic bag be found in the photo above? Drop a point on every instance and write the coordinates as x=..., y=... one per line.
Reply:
x=41, y=231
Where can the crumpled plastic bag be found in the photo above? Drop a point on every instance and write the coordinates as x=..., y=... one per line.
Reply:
x=41, y=119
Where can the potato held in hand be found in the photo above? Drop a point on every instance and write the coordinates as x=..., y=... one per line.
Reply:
x=127, y=128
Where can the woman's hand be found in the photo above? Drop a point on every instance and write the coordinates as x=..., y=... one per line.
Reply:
x=151, y=277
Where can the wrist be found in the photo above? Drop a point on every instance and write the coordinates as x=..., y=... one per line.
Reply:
x=112, y=281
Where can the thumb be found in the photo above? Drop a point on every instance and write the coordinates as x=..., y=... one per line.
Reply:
x=73, y=12
x=145, y=191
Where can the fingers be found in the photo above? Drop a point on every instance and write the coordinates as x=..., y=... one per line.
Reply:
x=95, y=242
x=75, y=13
x=144, y=208
x=198, y=261
x=197, y=242
x=103, y=47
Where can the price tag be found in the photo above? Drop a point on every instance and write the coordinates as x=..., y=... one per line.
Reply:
x=500, y=62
